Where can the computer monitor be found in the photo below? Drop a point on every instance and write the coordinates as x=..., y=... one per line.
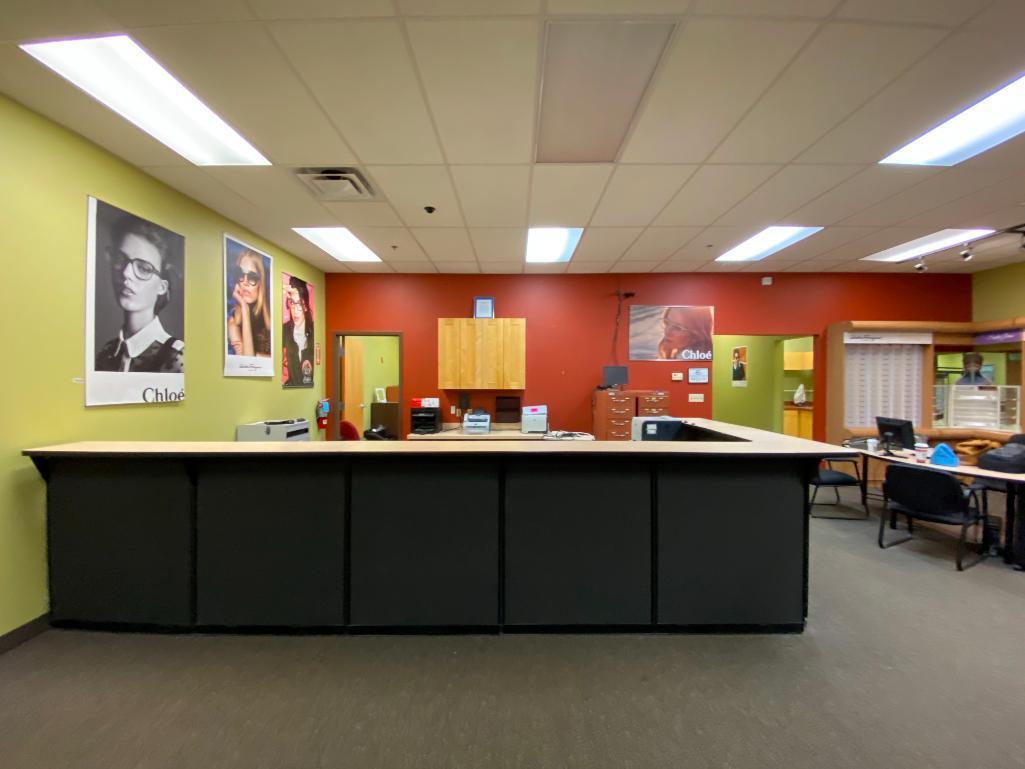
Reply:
x=896, y=433
x=613, y=375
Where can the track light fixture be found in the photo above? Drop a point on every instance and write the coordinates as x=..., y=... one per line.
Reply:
x=920, y=265
x=966, y=253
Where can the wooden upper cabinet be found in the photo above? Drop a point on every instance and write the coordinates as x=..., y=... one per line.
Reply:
x=481, y=354
x=514, y=353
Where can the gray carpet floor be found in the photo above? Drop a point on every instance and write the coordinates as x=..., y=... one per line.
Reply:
x=905, y=663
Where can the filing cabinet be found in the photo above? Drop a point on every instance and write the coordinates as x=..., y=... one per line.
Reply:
x=613, y=410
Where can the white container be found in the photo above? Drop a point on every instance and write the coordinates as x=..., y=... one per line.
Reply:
x=872, y=444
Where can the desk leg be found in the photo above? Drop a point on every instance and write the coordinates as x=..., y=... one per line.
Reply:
x=1015, y=505
x=864, y=481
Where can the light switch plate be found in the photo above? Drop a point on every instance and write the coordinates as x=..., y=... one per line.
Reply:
x=696, y=397
x=677, y=376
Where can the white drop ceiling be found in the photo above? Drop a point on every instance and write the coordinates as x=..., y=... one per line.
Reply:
x=759, y=112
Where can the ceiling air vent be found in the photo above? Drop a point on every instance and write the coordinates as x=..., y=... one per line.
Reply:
x=336, y=184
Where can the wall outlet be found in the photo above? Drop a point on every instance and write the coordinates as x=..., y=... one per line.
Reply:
x=696, y=397
x=677, y=376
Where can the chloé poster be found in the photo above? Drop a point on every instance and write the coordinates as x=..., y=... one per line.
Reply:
x=134, y=309
x=248, y=320
x=296, y=332
x=670, y=332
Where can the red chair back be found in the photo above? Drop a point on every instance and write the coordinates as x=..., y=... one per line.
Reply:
x=347, y=431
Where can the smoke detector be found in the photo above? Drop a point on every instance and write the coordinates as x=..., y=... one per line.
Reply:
x=336, y=184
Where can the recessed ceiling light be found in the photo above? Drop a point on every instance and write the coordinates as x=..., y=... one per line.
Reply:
x=546, y=245
x=929, y=244
x=994, y=120
x=767, y=242
x=118, y=73
x=339, y=242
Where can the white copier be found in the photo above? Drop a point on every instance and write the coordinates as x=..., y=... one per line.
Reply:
x=274, y=430
x=476, y=422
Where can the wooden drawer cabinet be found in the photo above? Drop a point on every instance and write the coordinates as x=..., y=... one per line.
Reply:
x=613, y=411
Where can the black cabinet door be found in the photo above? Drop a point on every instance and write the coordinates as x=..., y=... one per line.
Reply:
x=120, y=541
x=578, y=542
x=270, y=542
x=424, y=542
x=732, y=541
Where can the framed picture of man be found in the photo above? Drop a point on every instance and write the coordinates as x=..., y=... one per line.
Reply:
x=135, y=309
x=296, y=332
x=248, y=315
x=738, y=366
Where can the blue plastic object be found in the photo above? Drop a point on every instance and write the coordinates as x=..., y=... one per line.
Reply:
x=944, y=455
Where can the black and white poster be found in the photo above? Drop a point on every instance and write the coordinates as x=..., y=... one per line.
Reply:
x=248, y=317
x=135, y=309
x=296, y=332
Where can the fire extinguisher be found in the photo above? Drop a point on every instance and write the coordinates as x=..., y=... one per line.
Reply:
x=323, y=410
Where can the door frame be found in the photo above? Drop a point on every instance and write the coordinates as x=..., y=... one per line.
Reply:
x=338, y=389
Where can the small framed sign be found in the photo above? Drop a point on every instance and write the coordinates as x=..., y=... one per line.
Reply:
x=697, y=375
x=484, y=307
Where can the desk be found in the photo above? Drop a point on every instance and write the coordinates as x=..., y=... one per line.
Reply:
x=1015, y=487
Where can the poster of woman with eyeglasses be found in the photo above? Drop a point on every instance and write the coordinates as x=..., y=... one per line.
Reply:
x=248, y=336
x=296, y=332
x=135, y=310
x=670, y=332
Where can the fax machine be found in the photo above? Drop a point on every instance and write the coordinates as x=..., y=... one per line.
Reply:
x=476, y=422
x=274, y=430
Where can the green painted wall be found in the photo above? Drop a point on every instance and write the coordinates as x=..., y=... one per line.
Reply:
x=760, y=404
x=47, y=174
x=380, y=368
x=999, y=293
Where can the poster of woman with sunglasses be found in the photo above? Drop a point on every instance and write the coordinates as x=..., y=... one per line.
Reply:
x=296, y=332
x=248, y=337
x=135, y=310
x=670, y=332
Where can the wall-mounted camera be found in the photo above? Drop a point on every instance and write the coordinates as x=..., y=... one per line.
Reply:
x=430, y=209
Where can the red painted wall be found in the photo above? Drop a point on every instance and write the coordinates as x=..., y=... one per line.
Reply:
x=570, y=322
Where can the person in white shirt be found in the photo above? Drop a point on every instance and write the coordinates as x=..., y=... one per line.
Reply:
x=141, y=274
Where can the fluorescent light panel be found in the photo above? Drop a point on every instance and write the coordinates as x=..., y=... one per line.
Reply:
x=547, y=245
x=118, y=73
x=766, y=243
x=595, y=73
x=929, y=244
x=338, y=242
x=994, y=120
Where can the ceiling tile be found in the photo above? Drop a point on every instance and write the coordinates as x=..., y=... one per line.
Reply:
x=657, y=243
x=499, y=244
x=392, y=244
x=714, y=71
x=935, y=191
x=842, y=67
x=133, y=13
x=948, y=80
x=414, y=267
x=821, y=243
x=445, y=244
x=468, y=7
x=605, y=244
x=27, y=81
x=1000, y=16
x=949, y=13
x=281, y=196
x=410, y=188
x=319, y=9
x=639, y=266
x=862, y=190
x=636, y=194
x=481, y=81
x=566, y=195
x=364, y=214
x=710, y=242
x=785, y=192
x=505, y=268
x=367, y=85
x=592, y=267
x=457, y=267
x=41, y=19
x=878, y=240
x=968, y=211
x=238, y=71
x=618, y=7
x=199, y=185
x=546, y=269
x=712, y=191
x=814, y=8
x=671, y=266
x=493, y=196
x=370, y=267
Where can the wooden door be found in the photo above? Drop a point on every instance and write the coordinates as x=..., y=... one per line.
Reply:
x=514, y=353
x=467, y=358
x=448, y=353
x=804, y=421
x=489, y=356
x=353, y=407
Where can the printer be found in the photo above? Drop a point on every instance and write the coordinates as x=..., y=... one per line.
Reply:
x=274, y=430
x=534, y=419
x=654, y=428
x=476, y=422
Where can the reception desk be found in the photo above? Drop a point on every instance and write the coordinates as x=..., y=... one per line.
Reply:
x=708, y=534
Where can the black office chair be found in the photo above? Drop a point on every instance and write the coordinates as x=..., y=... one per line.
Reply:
x=830, y=477
x=929, y=495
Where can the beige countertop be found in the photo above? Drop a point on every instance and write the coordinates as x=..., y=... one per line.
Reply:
x=757, y=443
